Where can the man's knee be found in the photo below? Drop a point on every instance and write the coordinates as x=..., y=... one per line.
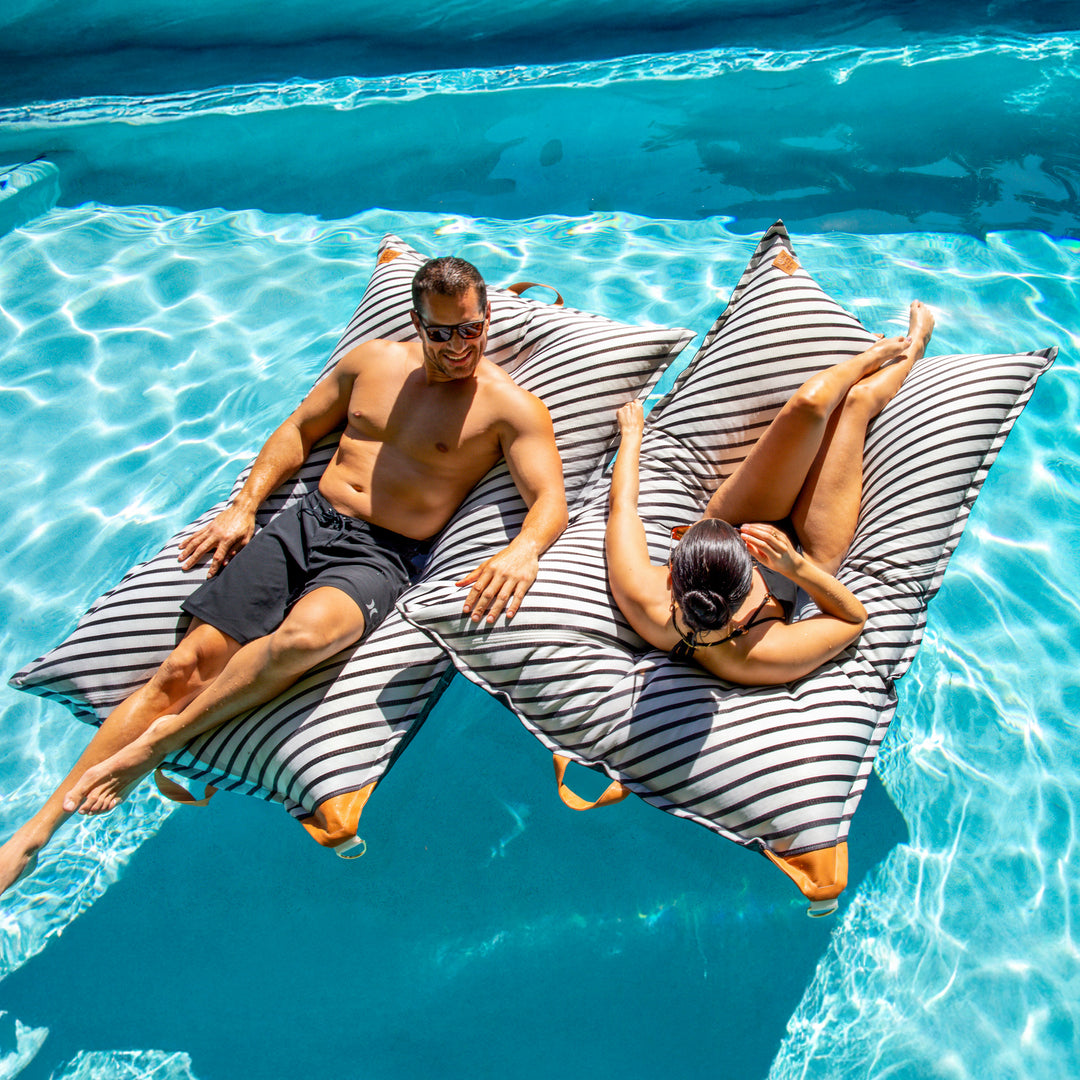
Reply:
x=197, y=660
x=318, y=629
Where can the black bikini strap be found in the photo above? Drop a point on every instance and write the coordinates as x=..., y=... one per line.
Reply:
x=752, y=621
x=682, y=650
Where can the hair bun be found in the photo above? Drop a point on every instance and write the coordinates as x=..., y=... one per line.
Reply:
x=704, y=610
x=711, y=573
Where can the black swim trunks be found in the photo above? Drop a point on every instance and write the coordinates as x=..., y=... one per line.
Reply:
x=305, y=547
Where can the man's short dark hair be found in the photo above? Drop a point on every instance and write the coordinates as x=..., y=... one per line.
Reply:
x=448, y=276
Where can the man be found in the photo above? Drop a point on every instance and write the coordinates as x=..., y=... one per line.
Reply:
x=424, y=421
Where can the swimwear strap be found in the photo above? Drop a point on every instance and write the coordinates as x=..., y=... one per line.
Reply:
x=172, y=790
x=613, y=793
x=522, y=286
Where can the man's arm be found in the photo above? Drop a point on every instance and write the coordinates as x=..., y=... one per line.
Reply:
x=323, y=410
x=528, y=444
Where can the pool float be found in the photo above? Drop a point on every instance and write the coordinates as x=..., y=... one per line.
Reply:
x=320, y=747
x=778, y=769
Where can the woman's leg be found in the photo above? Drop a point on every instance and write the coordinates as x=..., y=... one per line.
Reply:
x=192, y=665
x=767, y=482
x=827, y=509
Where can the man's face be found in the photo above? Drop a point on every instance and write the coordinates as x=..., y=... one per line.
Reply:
x=459, y=357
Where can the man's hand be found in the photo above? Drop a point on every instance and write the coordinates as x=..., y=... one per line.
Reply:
x=500, y=582
x=224, y=536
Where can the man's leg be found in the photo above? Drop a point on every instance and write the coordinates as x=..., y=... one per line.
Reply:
x=320, y=624
x=193, y=664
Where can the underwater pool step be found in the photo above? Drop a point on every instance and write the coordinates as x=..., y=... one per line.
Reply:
x=830, y=139
x=27, y=190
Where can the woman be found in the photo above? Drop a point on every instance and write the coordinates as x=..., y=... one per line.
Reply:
x=727, y=595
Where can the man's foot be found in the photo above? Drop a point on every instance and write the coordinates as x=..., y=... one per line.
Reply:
x=103, y=787
x=18, y=858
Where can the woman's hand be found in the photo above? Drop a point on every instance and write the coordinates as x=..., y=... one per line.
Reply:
x=623, y=494
x=631, y=417
x=772, y=548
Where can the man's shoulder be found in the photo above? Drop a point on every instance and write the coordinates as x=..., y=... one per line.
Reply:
x=509, y=402
x=501, y=385
x=376, y=352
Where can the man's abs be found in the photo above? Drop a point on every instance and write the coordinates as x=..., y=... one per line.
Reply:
x=377, y=483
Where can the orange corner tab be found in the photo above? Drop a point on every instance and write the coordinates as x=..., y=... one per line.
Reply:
x=820, y=875
x=336, y=820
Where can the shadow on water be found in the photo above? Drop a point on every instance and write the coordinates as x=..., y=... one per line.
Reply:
x=486, y=923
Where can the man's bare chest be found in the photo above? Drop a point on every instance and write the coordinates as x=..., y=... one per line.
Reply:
x=432, y=429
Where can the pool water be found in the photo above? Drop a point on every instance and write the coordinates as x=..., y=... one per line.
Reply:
x=155, y=326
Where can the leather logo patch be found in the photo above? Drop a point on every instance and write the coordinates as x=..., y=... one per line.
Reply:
x=787, y=262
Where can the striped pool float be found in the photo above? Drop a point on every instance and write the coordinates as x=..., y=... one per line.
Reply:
x=779, y=769
x=322, y=745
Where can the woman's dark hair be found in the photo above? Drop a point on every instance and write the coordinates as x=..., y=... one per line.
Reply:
x=711, y=574
x=448, y=276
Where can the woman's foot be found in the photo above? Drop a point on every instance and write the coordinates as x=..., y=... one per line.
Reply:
x=888, y=350
x=874, y=391
x=920, y=327
x=883, y=351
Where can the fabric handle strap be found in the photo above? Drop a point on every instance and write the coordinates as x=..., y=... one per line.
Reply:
x=172, y=790
x=613, y=793
x=522, y=286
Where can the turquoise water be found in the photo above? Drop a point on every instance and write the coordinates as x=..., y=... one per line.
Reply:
x=149, y=340
x=837, y=137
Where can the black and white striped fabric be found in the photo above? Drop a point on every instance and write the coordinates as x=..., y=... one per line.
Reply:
x=776, y=768
x=340, y=728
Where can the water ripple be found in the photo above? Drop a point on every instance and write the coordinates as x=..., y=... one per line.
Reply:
x=978, y=911
x=1054, y=53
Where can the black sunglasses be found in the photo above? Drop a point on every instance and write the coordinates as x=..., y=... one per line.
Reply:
x=467, y=331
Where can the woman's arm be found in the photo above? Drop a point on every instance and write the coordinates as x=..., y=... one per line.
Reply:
x=639, y=587
x=772, y=548
x=624, y=477
x=781, y=652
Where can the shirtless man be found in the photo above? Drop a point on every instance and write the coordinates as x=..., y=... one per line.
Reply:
x=424, y=421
